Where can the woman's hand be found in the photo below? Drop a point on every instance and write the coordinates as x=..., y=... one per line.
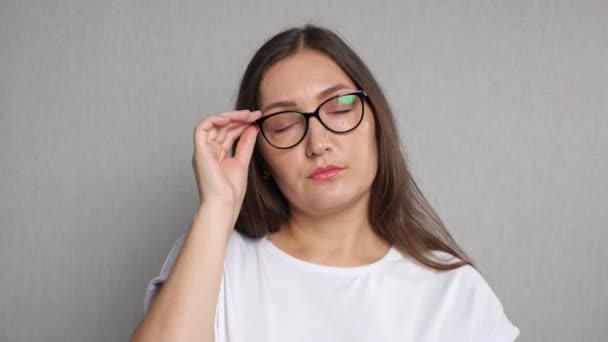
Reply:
x=222, y=180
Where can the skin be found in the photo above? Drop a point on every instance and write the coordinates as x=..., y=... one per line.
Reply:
x=329, y=222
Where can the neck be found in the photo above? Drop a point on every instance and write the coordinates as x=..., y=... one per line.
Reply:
x=339, y=237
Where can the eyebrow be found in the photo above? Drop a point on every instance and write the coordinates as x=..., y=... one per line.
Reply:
x=320, y=96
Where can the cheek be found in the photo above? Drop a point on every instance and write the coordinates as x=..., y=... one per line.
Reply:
x=370, y=156
x=278, y=163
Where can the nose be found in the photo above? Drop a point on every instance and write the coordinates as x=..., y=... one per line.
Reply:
x=317, y=139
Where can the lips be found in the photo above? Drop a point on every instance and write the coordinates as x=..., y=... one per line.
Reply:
x=325, y=172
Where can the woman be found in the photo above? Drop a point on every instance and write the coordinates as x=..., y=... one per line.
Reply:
x=332, y=239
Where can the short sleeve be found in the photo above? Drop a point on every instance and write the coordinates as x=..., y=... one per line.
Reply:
x=490, y=323
x=156, y=283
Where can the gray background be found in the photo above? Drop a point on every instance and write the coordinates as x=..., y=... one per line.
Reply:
x=502, y=107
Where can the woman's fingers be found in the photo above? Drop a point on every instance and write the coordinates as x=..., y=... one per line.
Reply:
x=222, y=119
x=223, y=129
x=243, y=116
x=213, y=121
x=244, y=149
x=203, y=129
x=223, y=132
x=232, y=135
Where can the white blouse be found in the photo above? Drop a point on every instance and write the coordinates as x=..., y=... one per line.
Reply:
x=268, y=295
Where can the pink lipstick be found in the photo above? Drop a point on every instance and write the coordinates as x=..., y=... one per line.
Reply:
x=325, y=172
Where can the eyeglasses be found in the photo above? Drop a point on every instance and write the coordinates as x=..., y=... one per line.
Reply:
x=339, y=114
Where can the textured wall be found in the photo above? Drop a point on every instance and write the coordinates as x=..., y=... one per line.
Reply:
x=502, y=108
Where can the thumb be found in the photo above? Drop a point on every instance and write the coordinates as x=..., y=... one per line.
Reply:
x=244, y=148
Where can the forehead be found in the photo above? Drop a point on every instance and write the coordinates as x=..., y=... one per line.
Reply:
x=301, y=76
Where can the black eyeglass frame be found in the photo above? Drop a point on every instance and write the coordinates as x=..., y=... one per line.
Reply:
x=307, y=115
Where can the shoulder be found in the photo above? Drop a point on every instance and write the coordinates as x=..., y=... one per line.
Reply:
x=237, y=244
x=469, y=282
x=473, y=297
x=172, y=255
x=241, y=250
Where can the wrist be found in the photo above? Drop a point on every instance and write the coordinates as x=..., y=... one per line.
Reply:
x=215, y=211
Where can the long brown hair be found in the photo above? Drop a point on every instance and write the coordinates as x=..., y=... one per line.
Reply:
x=398, y=211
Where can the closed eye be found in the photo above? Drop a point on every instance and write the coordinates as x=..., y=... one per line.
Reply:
x=341, y=111
x=282, y=129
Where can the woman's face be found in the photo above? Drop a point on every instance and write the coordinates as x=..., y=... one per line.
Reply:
x=301, y=78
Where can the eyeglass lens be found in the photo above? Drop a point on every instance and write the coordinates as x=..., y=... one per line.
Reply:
x=340, y=114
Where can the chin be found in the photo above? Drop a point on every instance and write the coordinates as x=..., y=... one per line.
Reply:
x=326, y=202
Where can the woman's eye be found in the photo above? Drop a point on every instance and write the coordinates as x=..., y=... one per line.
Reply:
x=282, y=129
x=340, y=111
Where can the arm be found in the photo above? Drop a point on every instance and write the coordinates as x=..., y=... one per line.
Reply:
x=184, y=309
